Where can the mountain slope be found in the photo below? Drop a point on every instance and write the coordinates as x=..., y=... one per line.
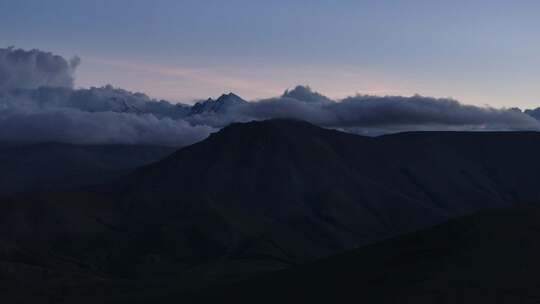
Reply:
x=489, y=257
x=314, y=191
x=266, y=195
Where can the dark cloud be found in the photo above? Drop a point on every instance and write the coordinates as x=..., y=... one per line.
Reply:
x=94, y=116
x=101, y=99
x=418, y=110
x=382, y=114
x=79, y=127
x=20, y=69
x=38, y=104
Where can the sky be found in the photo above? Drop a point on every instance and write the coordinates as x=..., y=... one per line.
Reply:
x=479, y=52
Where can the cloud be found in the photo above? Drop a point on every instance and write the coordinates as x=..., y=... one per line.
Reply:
x=383, y=114
x=306, y=94
x=418, y=110
x=94, y=116
x=20, y=69
x=101, y=99
x=38, y=104
x=79, y=127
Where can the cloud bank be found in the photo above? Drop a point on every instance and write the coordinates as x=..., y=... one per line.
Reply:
x=79, y=127
x=374, y=115
x=39, y=104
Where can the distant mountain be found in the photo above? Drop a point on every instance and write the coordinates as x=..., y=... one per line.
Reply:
x=48, y=167
x=220, y=105
x=260, y=196
x=490, y=257
x=160, y=108
x=535, y=113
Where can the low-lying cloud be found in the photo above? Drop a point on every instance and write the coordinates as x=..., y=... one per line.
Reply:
x=39, y=104
x=382, y=114
x=79, y=127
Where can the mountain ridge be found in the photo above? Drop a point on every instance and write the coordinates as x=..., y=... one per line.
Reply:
x=263, y=196
x=220, y=105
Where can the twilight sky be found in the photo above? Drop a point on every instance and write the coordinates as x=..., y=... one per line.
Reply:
x=480, y=52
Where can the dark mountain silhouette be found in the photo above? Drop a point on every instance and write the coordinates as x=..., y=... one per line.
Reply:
x=307, y=192
x=256, y=197
x=486, y=258
x=54, y=166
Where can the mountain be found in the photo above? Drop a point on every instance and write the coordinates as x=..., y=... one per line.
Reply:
x=52, y=166
x=301, y=192
x=489, y=257
x=159, y=108
x=220, y=105
x=257, y=197
x=533, y=113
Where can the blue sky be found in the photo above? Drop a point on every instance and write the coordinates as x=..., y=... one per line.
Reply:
x=480, y=52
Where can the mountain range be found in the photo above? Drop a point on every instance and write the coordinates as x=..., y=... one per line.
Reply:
x=254, y=198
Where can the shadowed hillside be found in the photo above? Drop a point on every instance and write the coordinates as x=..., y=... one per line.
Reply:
x=486, y=258
x=258, y=197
